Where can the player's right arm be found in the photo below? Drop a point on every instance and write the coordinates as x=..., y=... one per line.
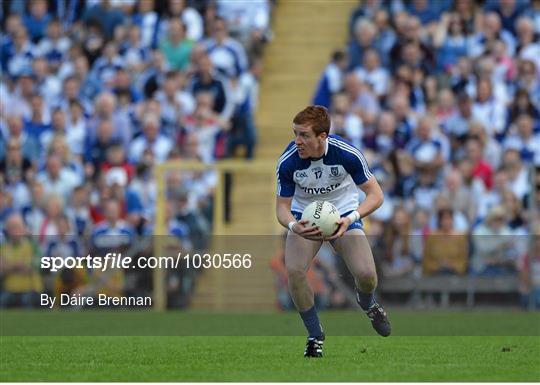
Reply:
x=284, y=217
x=285, y=193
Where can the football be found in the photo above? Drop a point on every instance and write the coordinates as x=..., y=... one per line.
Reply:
x=323, y=214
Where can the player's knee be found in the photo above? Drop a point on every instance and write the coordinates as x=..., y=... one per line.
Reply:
x=296, y=275
x=366, y=280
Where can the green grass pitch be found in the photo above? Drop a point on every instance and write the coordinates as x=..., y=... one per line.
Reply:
x=185, y=346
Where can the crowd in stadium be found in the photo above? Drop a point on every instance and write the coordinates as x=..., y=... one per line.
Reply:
x=94, y=94
x=443, y=98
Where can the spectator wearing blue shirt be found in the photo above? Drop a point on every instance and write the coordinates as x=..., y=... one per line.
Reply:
x=331, y=80
x=37, y=19
x=113, y=234
x=425, y=10
x=207, y=80
x=106, y=16
x=450, y=41
x=364, y=36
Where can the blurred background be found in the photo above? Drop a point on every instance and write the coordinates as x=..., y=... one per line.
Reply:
x=143, y=126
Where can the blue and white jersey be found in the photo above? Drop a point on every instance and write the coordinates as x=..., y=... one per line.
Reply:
x=333, y=177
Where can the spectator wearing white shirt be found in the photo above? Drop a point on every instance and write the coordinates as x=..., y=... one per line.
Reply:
x=151, y=139
x=373, y=74
x=23, y=52
x=352, y=127
x=487, y=110
x=491, y=30
x=518, y=177
x=524, y=139
x=147, y=20
x=54, y=47
x=76, y=128
x=245, y=16
x=528, y=46
x=227, y=55
x=174, y=100
x=48, y=85
x=189, y=17
x=58, y=179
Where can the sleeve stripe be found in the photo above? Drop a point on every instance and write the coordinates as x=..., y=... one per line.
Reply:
x=354, y=151
x=283, y=158
x=285, y=154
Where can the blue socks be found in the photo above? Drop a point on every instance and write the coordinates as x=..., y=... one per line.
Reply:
x=311, y=321
x=365, y=300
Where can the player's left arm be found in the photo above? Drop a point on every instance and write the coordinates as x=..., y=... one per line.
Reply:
x=374, y=199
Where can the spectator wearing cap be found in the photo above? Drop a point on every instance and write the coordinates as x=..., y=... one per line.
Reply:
x=524, y=139
x=494, y=247
x=331, y=80
x=227, y=54
x=21, y=279
x=151, y=139
x=176, y=47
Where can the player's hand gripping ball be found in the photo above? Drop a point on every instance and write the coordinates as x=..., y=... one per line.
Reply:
x=323, y=214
